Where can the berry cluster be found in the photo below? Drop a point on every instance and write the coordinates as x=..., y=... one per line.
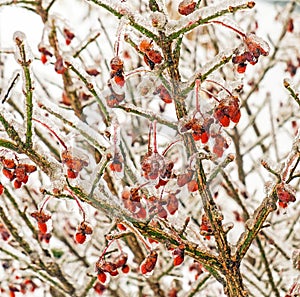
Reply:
x=200, y=128
x=27, y=286
x=284, y=195
x=149, y=263
x=104, y=267
x=228, y=110
x=253, y=48
x=74, y=164
x=16, y=172
x=132, y=201
x=162, y=206
x=116, y=83
x=151, y=56
x=42, y=217
x=117, y=71
x=205, y=127
x=83, y=230
x=69, y=36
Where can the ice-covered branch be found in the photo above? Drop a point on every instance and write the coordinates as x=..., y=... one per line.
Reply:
x=24, y=58
x=204, y=15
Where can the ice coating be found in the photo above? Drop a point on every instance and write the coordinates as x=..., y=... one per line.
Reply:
x=21, y=43
x=217, y=60
x=84, y=129
x=254, y=42
x=203, y=13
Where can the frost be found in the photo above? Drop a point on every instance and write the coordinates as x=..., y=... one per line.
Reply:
x=260, y=42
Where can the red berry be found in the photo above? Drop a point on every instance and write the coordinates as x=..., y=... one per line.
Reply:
x=225, y=121
x=282, y=204
x=125, y=268
x=145, y=46
x=42, y=227
x=178, y=260
x=101, y=276
x=44, y=58
x=9, y=163
x=241, y=68
x=8, y=173
x=116, y=166
x=25, y=179
x=192, y=186
x=142, y=213
x=162, y=213
x=17, y=184
x=20, y=172
x=121, y=227
x=119, y=80
x=184, y=178
x=204, y=137
x=1, y=189
x=29, y=168
x=121, y=260
x=149, y=263
x=116, y=64
x=71, y=173
x=290, y=25
x=99, y=288
x=196, y=136
x=186, y=7
x=113, y=272
x=68, y=36
x=143, y=269
x=80, y=237
x=236, y=117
